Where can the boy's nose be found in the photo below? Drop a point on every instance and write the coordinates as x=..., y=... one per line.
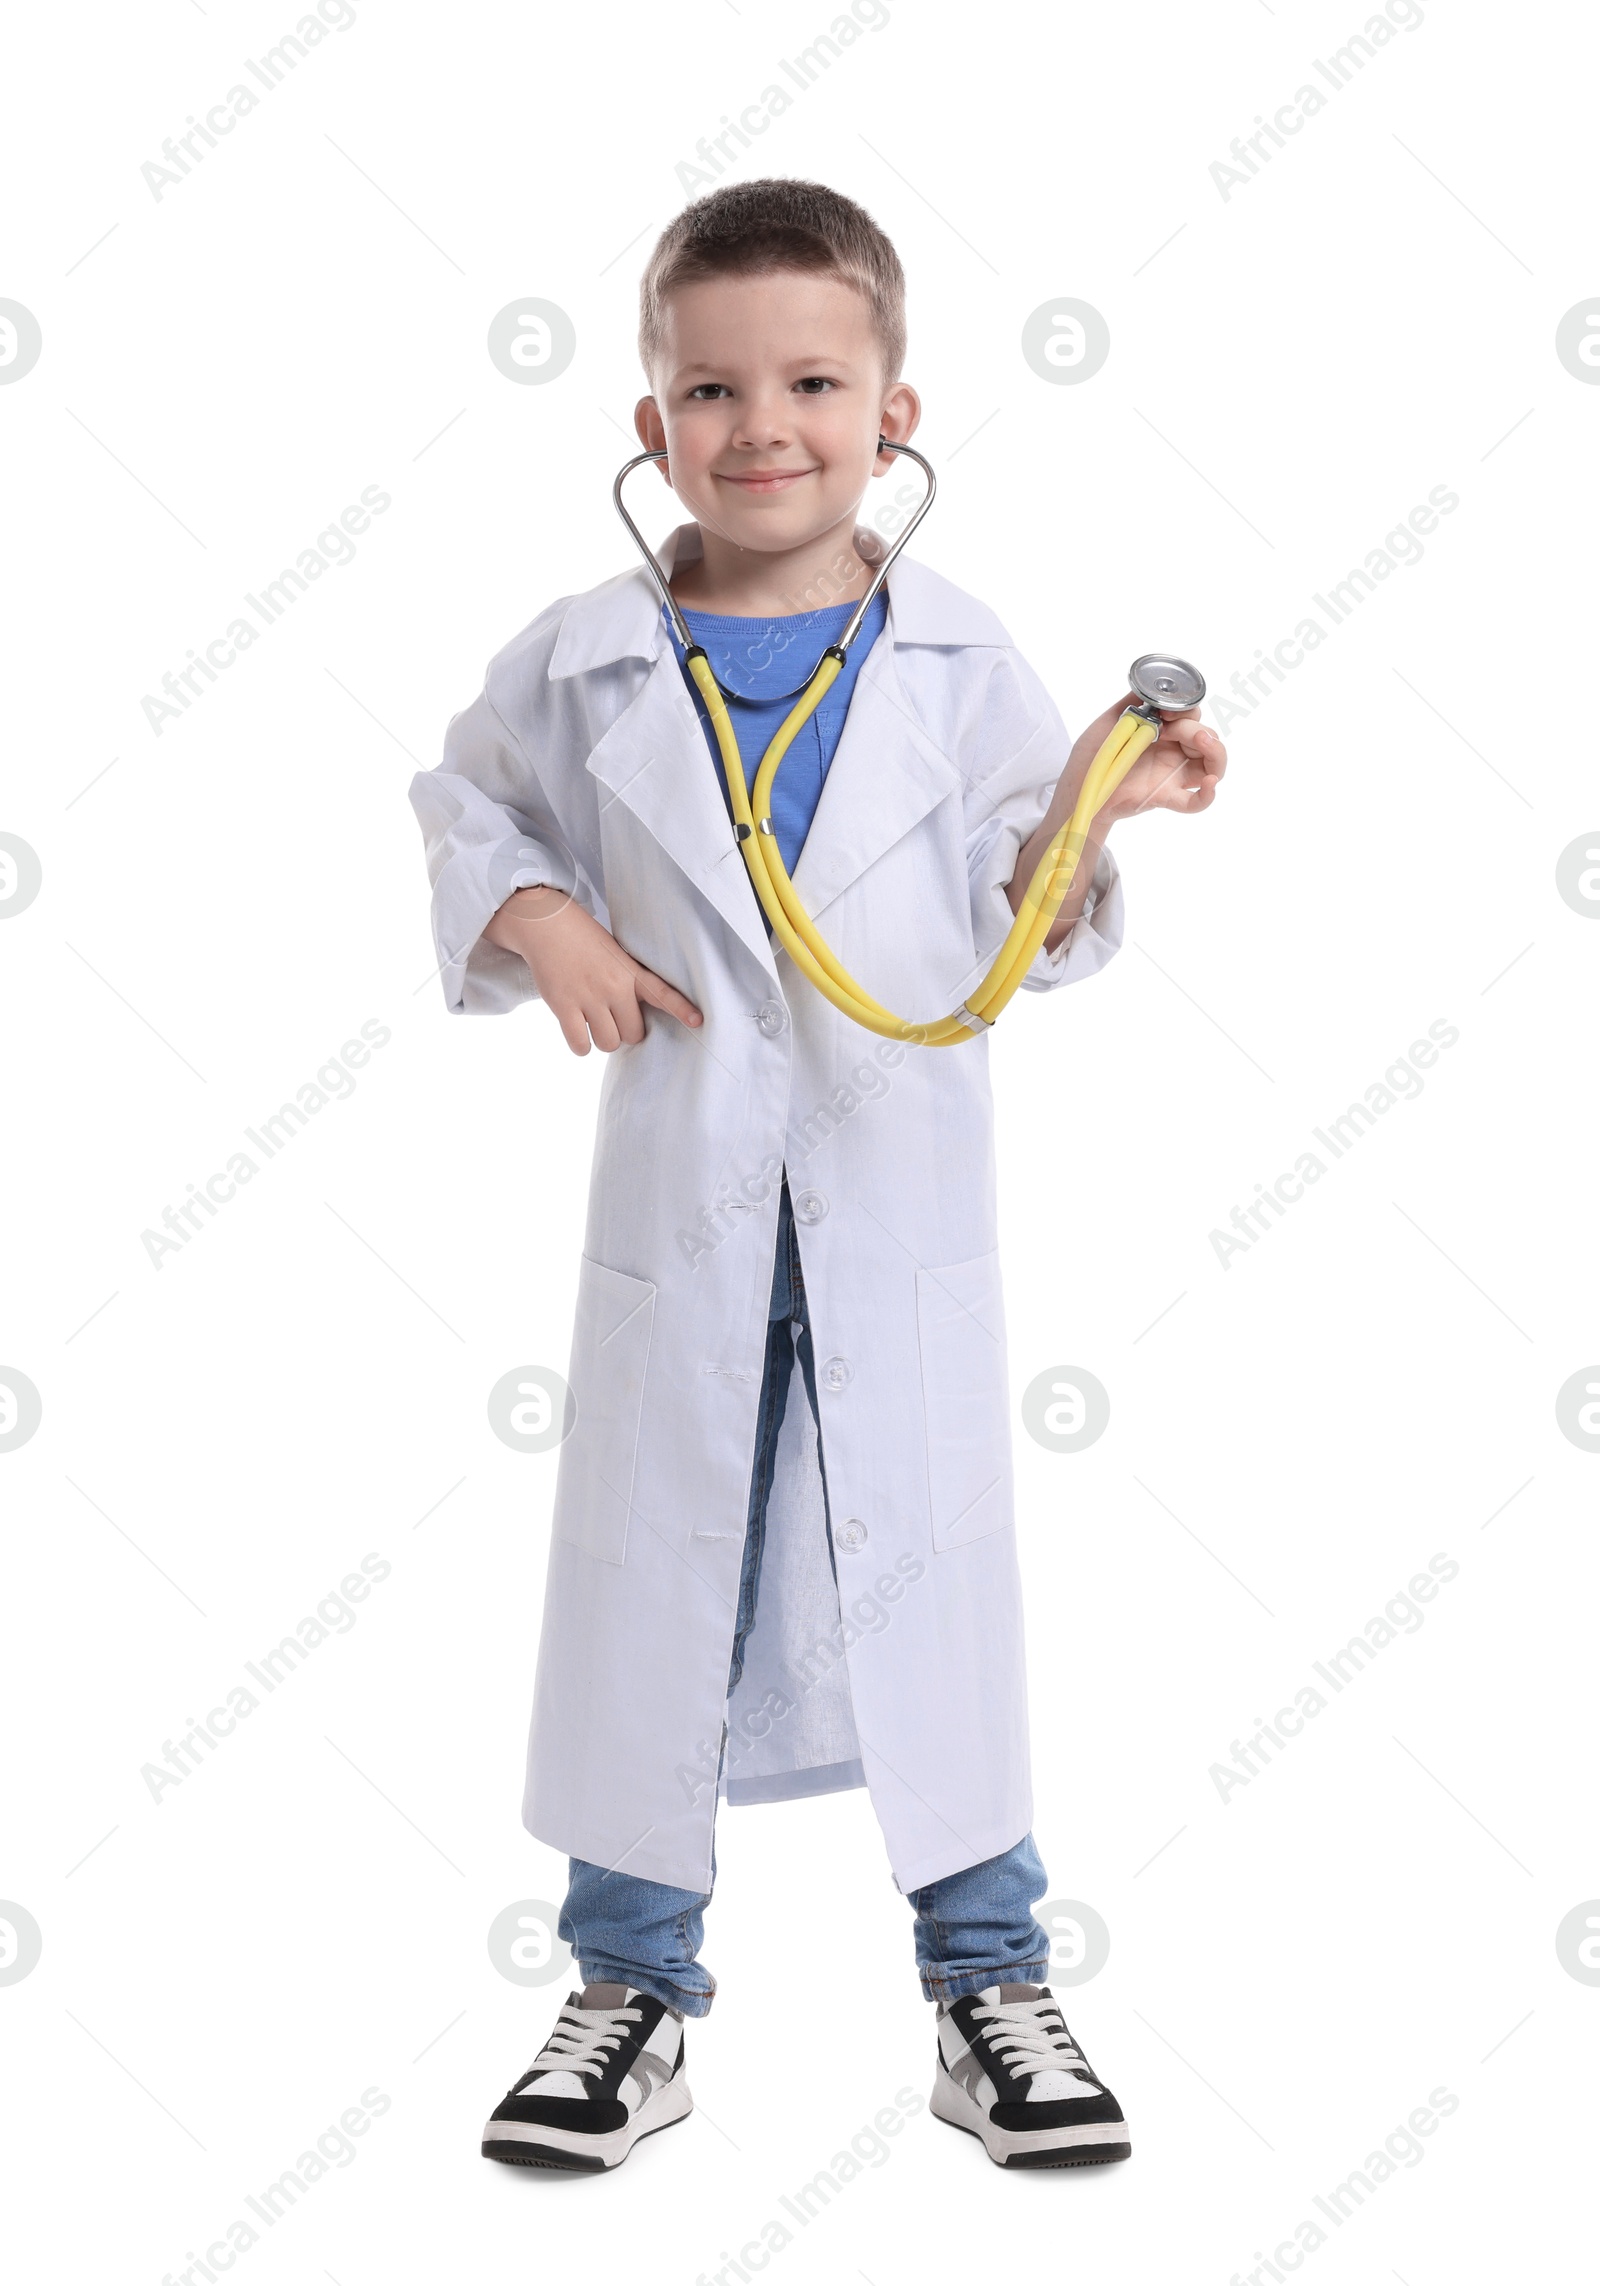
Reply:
x=762, y=425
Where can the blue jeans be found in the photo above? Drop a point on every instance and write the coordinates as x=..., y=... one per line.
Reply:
x=973, y=1928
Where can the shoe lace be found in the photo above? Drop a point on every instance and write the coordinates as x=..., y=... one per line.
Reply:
x=583, y=2039
x=1031, y=2036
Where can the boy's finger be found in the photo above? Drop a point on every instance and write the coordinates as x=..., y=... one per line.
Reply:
x=628, y=1017
x=1199, y=742
x=573, y=1029
x=603, y=1029
x=660, y=994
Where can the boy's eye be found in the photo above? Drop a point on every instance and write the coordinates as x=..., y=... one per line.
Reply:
x=709, y=389
x=814, y=384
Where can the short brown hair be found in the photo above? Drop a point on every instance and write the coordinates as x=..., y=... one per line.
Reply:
x=746, y=229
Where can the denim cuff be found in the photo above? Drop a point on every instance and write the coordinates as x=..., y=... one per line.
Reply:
x=937, y=1986
x=688, y=2000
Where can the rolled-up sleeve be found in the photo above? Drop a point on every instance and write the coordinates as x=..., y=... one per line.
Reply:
x=488, y=829
x=1006, y=801
x=1094, y=938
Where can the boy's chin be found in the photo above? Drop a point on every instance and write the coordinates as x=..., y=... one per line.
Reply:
x=774, y=533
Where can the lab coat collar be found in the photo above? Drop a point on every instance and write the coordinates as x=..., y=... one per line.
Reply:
x=623, y=619
x=653, y=759
x=887, y=774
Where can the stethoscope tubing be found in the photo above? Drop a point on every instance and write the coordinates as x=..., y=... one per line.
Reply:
x=1168, y=687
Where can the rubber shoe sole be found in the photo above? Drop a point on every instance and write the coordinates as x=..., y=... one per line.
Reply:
x=1095, y=2144
x=522, y=2143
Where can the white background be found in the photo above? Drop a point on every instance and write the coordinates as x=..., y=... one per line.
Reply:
x=1292, y=1436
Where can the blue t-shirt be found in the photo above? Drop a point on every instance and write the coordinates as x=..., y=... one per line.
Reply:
x=758, y=662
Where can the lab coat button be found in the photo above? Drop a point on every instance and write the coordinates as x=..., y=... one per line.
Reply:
x=853, y=1534
x=771, y=1018
x=837, y=1372
x=810, y=1206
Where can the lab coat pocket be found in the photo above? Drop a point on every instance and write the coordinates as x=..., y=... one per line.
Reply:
x=961, y=1339
x=610, y=1353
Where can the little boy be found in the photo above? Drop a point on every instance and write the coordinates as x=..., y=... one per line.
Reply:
x=747, y=1597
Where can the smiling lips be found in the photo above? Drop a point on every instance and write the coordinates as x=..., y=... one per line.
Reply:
x=769, y=479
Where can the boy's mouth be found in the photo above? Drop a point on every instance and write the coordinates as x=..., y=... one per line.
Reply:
x=768, y=479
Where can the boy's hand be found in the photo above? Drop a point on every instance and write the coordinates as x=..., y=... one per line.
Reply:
x=1181, y=771
x=592, y=987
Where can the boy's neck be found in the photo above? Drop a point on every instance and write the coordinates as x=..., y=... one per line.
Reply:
x=747, y=583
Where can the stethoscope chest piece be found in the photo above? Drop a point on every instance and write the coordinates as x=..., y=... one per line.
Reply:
x=1167, y=684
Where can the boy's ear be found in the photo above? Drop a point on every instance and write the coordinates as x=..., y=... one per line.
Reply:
x=902, y=410
x=649, y=428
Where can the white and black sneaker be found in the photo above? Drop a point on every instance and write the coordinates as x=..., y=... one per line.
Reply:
x=1011, y=2073
x=611, y=2071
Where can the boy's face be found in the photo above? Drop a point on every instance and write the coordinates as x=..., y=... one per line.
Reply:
x=770, y=398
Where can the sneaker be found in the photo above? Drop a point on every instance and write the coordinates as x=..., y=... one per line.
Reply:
x=1011, y=2073
x=611, y=2071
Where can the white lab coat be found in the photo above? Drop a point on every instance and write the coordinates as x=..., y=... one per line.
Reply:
x=584, y=764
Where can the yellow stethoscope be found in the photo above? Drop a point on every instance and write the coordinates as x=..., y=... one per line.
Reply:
x=1161, y=684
